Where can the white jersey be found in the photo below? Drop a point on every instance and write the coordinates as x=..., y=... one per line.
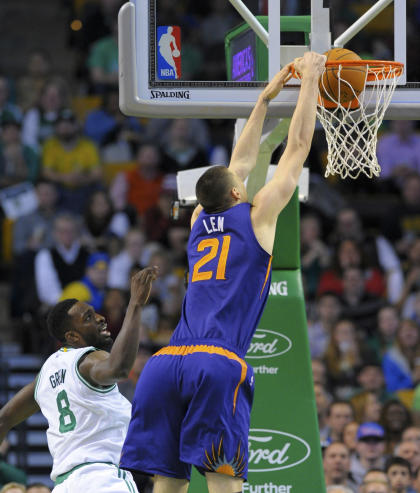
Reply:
x=85, y=423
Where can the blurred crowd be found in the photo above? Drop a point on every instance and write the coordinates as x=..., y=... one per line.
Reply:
x=102, y=187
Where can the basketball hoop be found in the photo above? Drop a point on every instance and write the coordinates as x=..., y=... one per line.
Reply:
x=351, y=128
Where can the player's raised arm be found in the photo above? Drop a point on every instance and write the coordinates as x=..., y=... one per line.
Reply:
x=101, y=368
x=19, y=408
x=274, y=196
x=245, y=153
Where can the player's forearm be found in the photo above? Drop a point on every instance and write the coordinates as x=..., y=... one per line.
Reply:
x=302, y=125
x=19, y=408
x=245, y=153
x=126, y=345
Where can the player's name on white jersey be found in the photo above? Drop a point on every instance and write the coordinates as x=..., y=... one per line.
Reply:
x=57, y=378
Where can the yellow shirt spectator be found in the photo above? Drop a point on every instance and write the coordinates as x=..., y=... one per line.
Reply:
x=83, y=156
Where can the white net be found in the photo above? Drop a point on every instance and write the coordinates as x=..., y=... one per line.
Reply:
x=352, y=131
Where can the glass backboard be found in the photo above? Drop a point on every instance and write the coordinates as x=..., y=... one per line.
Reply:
x=201, y=59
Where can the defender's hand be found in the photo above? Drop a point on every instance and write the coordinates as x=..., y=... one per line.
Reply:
x=277, y=82
x=141, y=284
x=310, y=64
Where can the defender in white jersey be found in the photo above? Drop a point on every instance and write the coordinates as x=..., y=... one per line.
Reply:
x=77, y=393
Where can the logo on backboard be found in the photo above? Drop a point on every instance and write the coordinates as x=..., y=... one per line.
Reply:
x=168, y=52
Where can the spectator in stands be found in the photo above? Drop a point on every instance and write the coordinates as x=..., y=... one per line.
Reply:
x=338, y=415
x=91, y=287
x=395, y=418
x=412, y=277
x=114, y=133
x=180, y=152
x=383, y=337
x=103, y=61
x=61, y=264
x=322, y=400
x=6, y=107
x=13, y=488
x=377, y=250
x=375, y=476
x=157, y=219
x=143, y=184
x=399, y=151
x=371, y=380
x=398, y=471
x=349, y=254
x=38, y=122
x=37, y=488
x=410, y=451
x=411, y=434
x=102, y=224
x=416, y=480
x=113, y=309
x=30, y=84
x=319, y=371
x=358, y=305
x=344, y=356
x=350, y=436
x=367, y=408
x=375, y=487
x=34, y=230
x=315, y=255
x=411, y=308
x=336, y=463
x=132, y=254
x=18, y=162
x=168, y=289
x=398, y=362
x=370, y=450
x=31, y=233
x=401, y=223
x=72, y=162
x=157, y=131
x=328, y=310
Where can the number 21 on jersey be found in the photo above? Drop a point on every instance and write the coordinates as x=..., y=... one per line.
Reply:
x=199, y=274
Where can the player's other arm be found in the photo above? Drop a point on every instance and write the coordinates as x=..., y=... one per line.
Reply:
x=245, y=153
x=275, y=195
x=101, y=368
x=18, y=409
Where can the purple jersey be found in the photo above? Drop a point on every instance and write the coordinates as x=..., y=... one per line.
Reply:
x=228, y=284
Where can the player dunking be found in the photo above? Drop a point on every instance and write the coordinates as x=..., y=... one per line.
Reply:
x=193, y=399
x=76, y=391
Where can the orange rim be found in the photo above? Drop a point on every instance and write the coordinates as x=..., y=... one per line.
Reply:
x=377, y=69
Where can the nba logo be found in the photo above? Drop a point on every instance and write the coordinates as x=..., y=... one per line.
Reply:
x=168, y=52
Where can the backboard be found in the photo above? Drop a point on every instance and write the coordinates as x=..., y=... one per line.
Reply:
x=200, y=59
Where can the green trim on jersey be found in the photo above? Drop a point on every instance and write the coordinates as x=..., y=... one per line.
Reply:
x=38, y=378
x=62, y=477
x=83, y=380
x=124, y=477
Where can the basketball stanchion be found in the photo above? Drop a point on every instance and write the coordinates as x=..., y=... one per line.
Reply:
x=351, y=123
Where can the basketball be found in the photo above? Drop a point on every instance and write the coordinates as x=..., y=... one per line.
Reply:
x=352, y=78
x=176, y=53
